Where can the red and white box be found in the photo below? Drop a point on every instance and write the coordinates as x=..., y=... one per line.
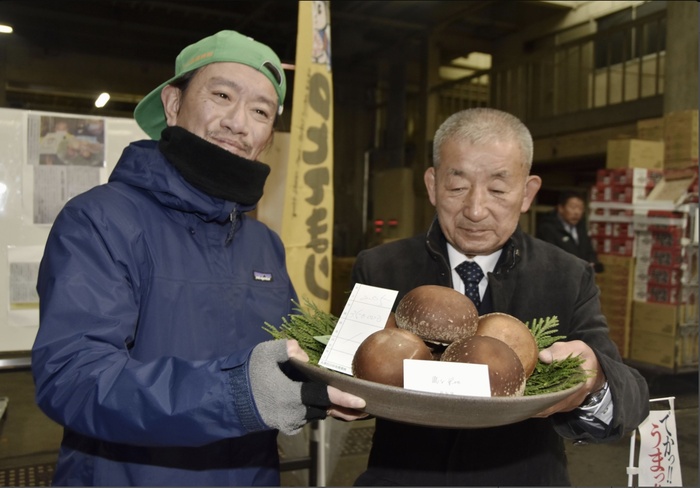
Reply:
x=654, y=293
x=613, y=245
x=611, y=229
x=640, y=177
x=658, y=275
x=618, y=193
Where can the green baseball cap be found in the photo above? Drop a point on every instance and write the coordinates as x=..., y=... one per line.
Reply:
x=223, y=47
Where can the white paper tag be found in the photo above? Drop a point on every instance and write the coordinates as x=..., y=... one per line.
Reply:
x=446, y=377
x=365, y=312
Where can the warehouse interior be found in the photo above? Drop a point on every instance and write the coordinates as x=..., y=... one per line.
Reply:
x=602, y=85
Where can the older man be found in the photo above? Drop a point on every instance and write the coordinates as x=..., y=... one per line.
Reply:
x=480, y=183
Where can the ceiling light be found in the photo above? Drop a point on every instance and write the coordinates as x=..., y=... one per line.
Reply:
x=102, y=100
x=5, y=29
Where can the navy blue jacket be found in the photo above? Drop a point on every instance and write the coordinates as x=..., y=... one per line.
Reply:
x=148, y=318
x=532, y=280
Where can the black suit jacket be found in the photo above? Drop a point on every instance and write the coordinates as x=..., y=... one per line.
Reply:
x=551, y=229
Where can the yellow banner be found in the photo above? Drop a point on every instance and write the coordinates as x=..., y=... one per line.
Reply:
x=307, y=226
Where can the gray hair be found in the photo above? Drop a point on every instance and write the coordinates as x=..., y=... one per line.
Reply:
x=482, y=126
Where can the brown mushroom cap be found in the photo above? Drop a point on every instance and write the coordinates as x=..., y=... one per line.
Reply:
x=513, y=332
x=437, y=314
x=506, y=374
x=380, y=356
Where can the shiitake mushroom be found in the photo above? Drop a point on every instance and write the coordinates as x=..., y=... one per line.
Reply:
x=506, y=374
x=437, y=314
x=380, y=356
x=513, y=332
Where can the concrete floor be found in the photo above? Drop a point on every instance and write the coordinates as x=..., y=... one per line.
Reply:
x=29, y=441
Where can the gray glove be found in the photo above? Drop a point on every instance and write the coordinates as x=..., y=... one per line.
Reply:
x=283, y=404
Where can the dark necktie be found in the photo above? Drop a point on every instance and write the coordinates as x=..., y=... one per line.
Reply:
x=471, y=274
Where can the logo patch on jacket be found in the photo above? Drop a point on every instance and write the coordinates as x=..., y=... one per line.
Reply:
x=260, y=276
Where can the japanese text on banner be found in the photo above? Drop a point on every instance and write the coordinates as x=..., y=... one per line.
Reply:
x=307, y=226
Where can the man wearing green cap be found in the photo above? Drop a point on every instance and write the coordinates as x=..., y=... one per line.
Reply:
x=155, y=288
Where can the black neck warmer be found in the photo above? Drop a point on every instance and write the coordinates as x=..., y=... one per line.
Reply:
x=213, y=170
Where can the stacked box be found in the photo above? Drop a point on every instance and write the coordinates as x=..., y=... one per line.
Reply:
x=618, y=193
x=638, y=177
x=656, y=349
x=610, y=213
x=675, y=352
x=662, y=258
x=615, y=284
x=622, y=230
x=681, y=139
x=688, y=353
x=634, y=153
x=615, y=190
x=665, y=310
x=651, y=129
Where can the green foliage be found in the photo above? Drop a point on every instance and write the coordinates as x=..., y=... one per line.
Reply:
x=543, y=330
x=559, y=374
x=555, y=376
x=303, y=326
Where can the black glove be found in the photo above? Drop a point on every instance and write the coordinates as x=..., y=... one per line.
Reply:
x=283, y=404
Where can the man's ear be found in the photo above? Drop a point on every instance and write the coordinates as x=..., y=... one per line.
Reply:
x=171, y=98
x=429, y=179
x=532, y=186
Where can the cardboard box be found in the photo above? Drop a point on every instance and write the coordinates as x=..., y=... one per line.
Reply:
x=657, y=318
x=618, y=193
x=670, y=190
x=688, y=351
x=664, y=276
x=651, y=129
x=629, y=176
x=658, y=275
x=634, y=153
x=618, y=246
x=681, y=164
x=617, y=264
x=615, y=284
x=607, y=212
x=656, y=349
x=681, y=136
x=611, y=229
x=688, y=309
x=654, y=293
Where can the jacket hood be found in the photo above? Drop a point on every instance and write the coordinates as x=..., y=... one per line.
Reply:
x=143, y=165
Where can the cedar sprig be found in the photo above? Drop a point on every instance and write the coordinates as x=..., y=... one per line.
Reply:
x=559, y=374
x=543, y=330
x=303, y=326
x=555, y=376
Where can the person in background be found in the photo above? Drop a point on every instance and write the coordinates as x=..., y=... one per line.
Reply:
x=155, y=287
x=565, y=227
x=480, y=183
